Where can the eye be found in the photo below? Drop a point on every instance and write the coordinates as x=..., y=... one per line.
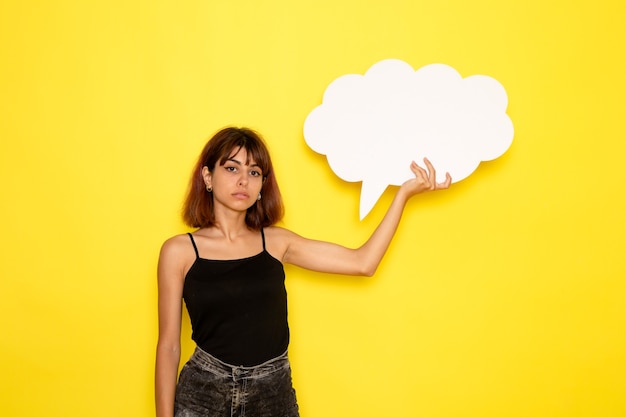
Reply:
x=230, y=168
x=255, y=173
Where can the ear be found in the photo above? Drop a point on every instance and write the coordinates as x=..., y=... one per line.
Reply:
x=206, y=175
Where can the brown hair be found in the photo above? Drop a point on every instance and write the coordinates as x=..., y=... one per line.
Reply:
x=198, y=209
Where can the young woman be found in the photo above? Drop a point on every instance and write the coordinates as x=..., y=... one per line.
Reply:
x=230, y=274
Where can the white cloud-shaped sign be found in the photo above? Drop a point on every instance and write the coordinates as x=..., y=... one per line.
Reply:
x=370, y=127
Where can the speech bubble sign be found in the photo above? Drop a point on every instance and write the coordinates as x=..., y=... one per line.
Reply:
x=370, y=127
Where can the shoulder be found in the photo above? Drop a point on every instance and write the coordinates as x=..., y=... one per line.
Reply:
x=280, y=234
x=177, y=244
x=175, y=259
x=177, y=251
x=278, y=240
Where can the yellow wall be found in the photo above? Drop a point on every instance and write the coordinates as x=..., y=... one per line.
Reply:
x=502, y=297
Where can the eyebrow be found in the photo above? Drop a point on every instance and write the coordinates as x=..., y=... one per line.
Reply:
x=240, y=163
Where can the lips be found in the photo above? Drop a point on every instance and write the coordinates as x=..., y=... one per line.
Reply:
x=241, y=196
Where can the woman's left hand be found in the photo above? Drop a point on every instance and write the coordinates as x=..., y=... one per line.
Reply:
x=425, y=180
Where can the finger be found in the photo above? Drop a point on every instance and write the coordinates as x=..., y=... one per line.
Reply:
x=418, y=170
x=432, y=174
x=446, y=183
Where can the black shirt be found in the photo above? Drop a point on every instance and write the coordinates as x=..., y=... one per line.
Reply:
x=238, y=308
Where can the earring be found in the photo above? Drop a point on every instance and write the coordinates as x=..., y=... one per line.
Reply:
x=209, y=189
x=258, y=198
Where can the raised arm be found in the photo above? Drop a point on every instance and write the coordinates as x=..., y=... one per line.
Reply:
x=170, y=283
x=333, y=258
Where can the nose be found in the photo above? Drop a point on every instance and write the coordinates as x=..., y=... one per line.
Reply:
x=243, y=180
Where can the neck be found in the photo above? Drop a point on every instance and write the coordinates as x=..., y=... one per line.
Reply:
x=231, y=225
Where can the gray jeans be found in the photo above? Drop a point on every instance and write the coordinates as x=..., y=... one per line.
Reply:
x=208, y=387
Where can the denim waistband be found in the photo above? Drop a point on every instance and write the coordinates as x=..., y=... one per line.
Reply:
x=210, y=363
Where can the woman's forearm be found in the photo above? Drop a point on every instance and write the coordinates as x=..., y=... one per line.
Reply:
x=166, y=372
x=372, y=252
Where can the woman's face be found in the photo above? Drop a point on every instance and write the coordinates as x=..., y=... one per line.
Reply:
x=236, y=184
